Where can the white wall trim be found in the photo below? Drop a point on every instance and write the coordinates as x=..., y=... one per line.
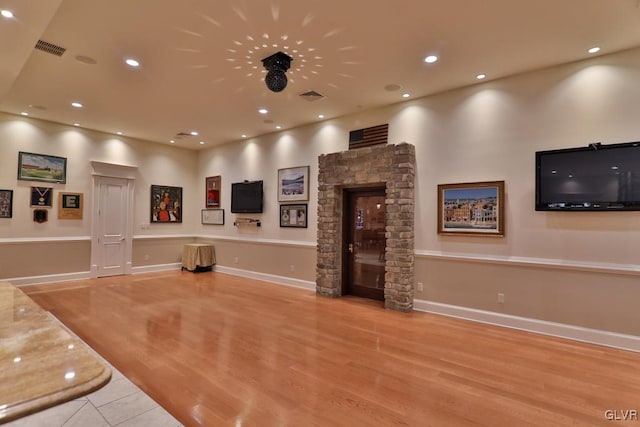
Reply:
x=277, y=242
x=27, y=240
x=52, y=278
x=631, y=269
x=155, y=268
x=272, y=278
x=163, y=236
x=592, y=336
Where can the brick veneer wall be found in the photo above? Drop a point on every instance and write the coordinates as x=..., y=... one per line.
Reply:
x=391, y=166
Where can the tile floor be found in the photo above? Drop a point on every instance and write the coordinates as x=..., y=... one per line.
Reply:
x=119, y=403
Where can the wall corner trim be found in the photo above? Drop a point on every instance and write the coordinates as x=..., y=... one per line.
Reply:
x=561, y=330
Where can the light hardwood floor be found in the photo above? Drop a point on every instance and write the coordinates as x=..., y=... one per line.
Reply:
x=220, y=350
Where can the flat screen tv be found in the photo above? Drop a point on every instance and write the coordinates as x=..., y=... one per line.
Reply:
x=593, y=178
x=246, y=197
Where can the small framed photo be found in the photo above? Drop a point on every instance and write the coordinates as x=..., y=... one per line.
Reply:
x=41, y=197
x=213, y=188
x=293, y=216
x=70, y=205
x=213, y=216
x=293, y=184
x=166, y=204
x=41, y=167
x=475, y=208
x=6, y=203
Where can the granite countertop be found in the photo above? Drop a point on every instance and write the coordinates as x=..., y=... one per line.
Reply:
x=41, y=363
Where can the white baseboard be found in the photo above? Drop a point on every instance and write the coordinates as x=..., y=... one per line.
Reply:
x=280, y=280
x=593, y=336
x=52, y=278
x=154, y=268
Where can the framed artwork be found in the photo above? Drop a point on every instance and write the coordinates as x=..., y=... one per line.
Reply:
x=6, y=203
x=41, y=197
x=293, y=184
x=166, y=204
x=471, y=208
x=213, y=216
x=70, y=205
x=213, y=186
x=41, y=167
x=293, y=216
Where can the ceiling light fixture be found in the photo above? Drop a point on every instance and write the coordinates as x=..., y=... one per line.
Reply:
x=6, y=13
x=263, y=111
x=119, y=133
x=321, y=116
x=76, y=124
x=132, y=62
x=594, y=49
x=405, y=95
x=172, y=141
x=76, y=105
x=243, y=136
x=276, y=66
x=430, y=59
x=24, y=113
x=481, y=76
x=193, y=133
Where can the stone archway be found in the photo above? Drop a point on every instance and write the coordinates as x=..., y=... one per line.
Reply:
x=394, y=167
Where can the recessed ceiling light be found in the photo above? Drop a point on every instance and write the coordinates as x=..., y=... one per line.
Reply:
x=481, y=76
x=243, y=136
x=76, y=104
x=201, y=142
x=194, y=133
x=430, y=59
x=132, y=62
x=76, y=124
x=172, y=141
x=594, y=49
x=263, y=111
x=321, y=116
x=405, y=95
x=6, y=13
x=24, y=113
x=119, y=133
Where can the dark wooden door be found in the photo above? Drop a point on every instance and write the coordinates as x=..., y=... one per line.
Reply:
x=364, y=243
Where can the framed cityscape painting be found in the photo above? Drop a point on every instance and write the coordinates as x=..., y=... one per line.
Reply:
x=475, y=208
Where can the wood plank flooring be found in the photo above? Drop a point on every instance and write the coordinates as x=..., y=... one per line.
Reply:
x=220, y=350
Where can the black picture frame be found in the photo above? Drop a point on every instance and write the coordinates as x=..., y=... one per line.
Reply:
x=42, y=167
x=294, y=216
x=6, y=203
x=166, y=204
x=41, y=197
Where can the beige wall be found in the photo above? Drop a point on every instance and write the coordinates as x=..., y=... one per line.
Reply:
x=488, y=131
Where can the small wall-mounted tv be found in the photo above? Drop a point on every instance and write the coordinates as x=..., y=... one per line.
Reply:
x=593, y=178
x=246, y=197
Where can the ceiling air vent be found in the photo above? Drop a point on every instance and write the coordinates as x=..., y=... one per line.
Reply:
x=50, y=48
x=311, y=96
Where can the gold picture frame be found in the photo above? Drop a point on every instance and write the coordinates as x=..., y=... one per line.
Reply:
x=473, y=208
x=70, y=205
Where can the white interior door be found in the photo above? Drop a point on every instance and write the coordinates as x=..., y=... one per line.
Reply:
x=113, y=236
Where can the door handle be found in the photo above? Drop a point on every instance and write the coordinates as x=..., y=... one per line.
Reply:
x=350, y=248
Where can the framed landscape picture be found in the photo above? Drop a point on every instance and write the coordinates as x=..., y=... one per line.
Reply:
x=293, y=216
x=41, y=167
x=166, y=204
x=293, y=184
x=6, y=203
x=475, y=208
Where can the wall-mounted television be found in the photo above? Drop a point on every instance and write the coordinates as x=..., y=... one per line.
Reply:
x=246, y=197
x=593, y=178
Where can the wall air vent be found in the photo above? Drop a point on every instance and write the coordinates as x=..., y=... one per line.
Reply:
x=50, y=48
x=311, y=96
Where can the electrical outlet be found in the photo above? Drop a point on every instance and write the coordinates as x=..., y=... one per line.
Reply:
x=500, y=298
x=420, y=286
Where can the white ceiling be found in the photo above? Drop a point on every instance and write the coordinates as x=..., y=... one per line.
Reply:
x=201, y=59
